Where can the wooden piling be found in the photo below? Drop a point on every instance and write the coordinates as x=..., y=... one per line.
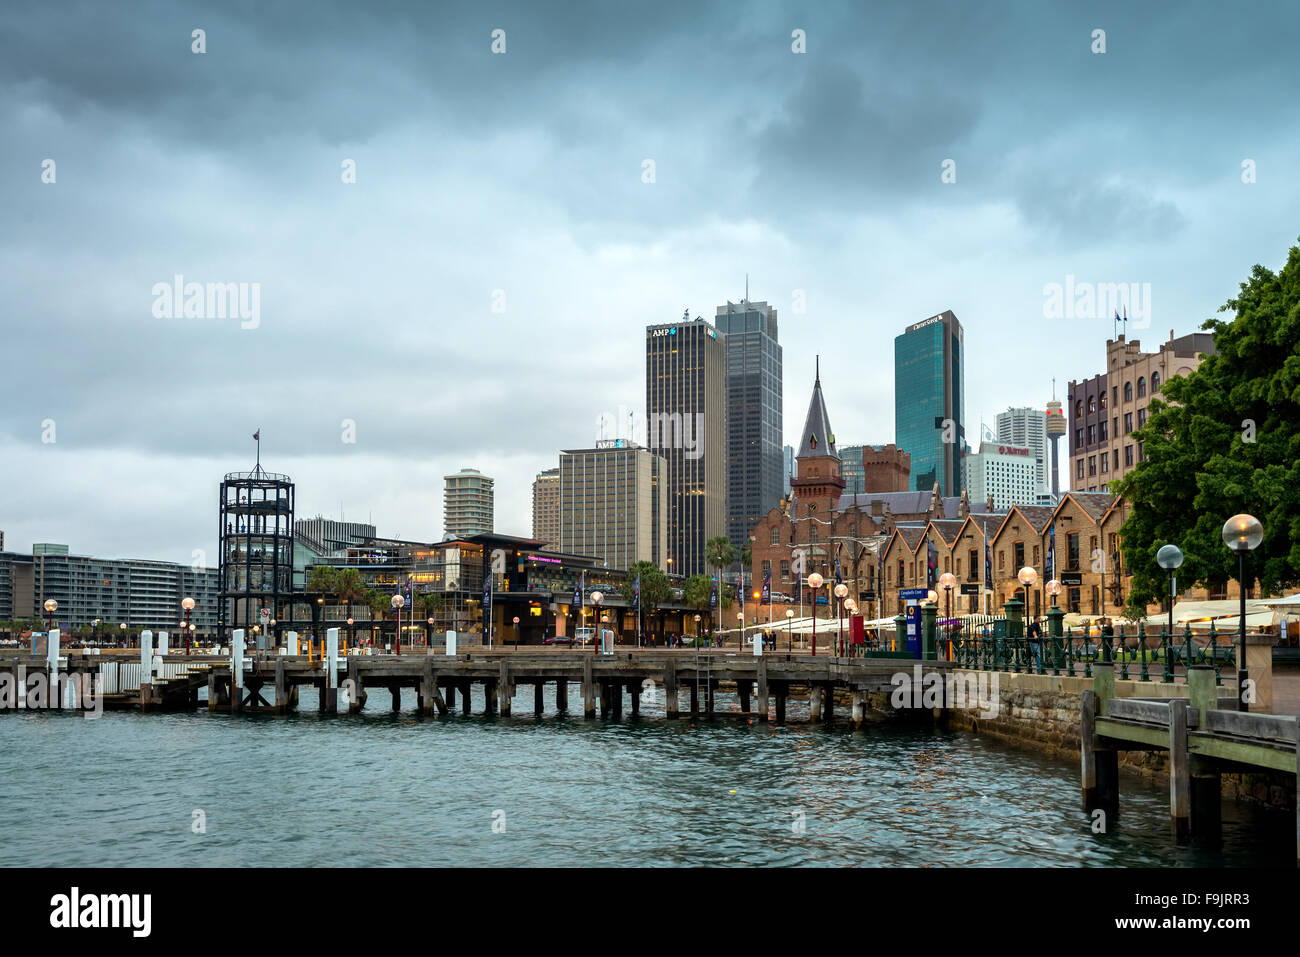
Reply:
x=504, y=689
x=281, y=691
x=859, y=710
x=396, y=691
x=742, y=692
x=762, y=689
x=562, y=696
x=451, y=695
x=491, y=694
x=634, y=692
x=356, y=693
x=539, y=698
x=1088, y=743
x=781, y=692
x=695, y=698
x=1206, y=811
x=615, y=689
x=212, y=691
x=1180, y=808
x=828, y=703
x=465, y=697
x=815, y=704
x=588, y=689
x=670, y=691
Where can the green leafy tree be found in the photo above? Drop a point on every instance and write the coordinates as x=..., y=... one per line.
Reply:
x=349, y=586
x=718, y=552
x=1221, y=440
x=655, y=589
x=322, y=580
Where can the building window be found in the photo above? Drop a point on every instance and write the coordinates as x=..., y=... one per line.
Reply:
x=1092, y=465
x=1079, y=470
x=1142, y=386
x=1092, y=435
x=767, y=567
x=1072, y=552
x=957, y=570
x=1019, y=549
x=1155, y=381
x=1078, y=438
x=1101, y=399
x=1078, y=409
x=974, y=562
x=1035, y=554
x=785, y=570
x=775, y=535
x=1002, y=559
x=1128, y=391
x=1128, y=455
x=1092, y=404
x=1114, y=393
x=1128, y=422
x=1142, y=417
x=1105, y=461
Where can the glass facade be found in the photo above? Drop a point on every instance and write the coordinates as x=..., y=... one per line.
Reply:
x=929, y=390
x=755, y=472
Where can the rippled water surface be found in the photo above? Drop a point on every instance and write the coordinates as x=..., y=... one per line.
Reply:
x=394, y=789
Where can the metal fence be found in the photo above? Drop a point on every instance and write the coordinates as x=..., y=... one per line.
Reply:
x=999, y=645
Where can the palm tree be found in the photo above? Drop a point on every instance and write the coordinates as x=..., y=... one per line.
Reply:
x=654, y=587
x=349, y=587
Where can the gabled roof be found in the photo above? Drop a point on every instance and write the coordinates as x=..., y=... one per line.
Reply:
x=910, y=534
x=948, y=529
x=1096, y=504
x=1038, y=517
x=817, y=438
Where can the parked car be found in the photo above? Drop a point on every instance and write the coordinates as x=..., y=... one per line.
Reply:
x=566, y=640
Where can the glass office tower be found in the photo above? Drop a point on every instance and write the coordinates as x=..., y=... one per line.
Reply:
x=929, y=401
x=755, y=472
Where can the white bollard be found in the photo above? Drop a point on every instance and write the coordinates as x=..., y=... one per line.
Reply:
x=146, y=656
x=237, y=658
x=162, y=642
x=52, y=653
x=291, y=640
x=451, y=643
x=332, y=657
x=758, y=645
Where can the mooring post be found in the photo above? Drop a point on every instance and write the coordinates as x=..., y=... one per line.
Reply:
x=330, y=686
x=828, y=703
x=236, y=669
x=1088, y=747
x=859, y=708
x=146, y=668
x=396, y=691
x=815, y=703
x=695, y=697
x=615, y=689
x=781, y=690
x=504, y=690
x=1204, y=785
x=634, y=692
x=606, y=699
x=1180, y=802
x=1107, y=757
x=539, y=697
x=761, y=677
x=491, y=695
x=588, y=689
x=562, y=695
x=742, y=692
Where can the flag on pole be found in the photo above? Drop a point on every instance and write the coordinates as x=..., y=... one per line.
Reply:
x=638, y=592
x=258, y=435
x=767, y=587
x=578, y=590
x=1051, y=552
x=988, y=558
x=713, y=594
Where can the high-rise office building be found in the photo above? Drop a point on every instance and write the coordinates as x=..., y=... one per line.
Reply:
x=546, y=508
x=1026, y=428
x=930, y=401
x=611, y=503
x=685, y=385
x=787, y=453
x=852, y=470
x=467, y=504
x=754, y=414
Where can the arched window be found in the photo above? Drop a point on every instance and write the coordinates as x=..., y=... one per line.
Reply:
x=1155, y=381
x=1142, y=386
x=1092, y=403
x=1128, y=391
x=1078, y=409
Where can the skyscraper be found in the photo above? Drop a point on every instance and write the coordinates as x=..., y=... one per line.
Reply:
x=546, y=507
x=1026, y=428
x=467, y=503
x=685, y=386
x=755, y=481
x=930, y=401
x=787, y=453
x=610, y=501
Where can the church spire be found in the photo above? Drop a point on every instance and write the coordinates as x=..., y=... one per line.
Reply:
x=817, y=438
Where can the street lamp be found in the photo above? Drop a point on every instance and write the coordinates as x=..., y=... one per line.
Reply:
x=840, y=591
x=1053, y=588
x=516, y=619
x=51, y=606
x=1170, y=558
x=1027, y=576
x=740, y=623
x=122, y=628
x=697, y=631
x=815, y=583
x=596, y=598
x=397, y=601
x=1242, y=534
x=789, y=625
x=948, y=581
x=188, y=604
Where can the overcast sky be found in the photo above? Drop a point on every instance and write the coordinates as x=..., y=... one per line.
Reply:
x=516, y=180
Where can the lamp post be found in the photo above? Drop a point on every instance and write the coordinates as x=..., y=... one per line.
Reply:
x=397, y=601
x=697, y=631
x=1053, y=588
x=51, y=606
x=188, y=604
x=948, y=581
x=1170, y=558
x=851, y=607
x=815, y=583
x=1027, y=577
x=1242, y=534
x=840, y=591
x=789, y=625
x=121, y=625
x=596, y=598
x=516, y=620
x=352, y=634
x=740, y=623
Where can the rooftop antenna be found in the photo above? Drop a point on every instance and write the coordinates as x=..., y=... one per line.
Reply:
x=747, y=289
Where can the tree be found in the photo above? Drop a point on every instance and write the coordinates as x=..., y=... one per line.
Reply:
x=718, y=552
x=655, y=589
x=349, y=586
x=430, y=604
x=1225, y=439
x=322, y=580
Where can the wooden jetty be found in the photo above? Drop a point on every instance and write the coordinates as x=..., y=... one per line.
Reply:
x=1205, y=735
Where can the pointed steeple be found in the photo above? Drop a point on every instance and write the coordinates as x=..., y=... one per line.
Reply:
x=817, y=439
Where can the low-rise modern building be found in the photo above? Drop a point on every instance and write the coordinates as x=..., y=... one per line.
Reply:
x=136, y=593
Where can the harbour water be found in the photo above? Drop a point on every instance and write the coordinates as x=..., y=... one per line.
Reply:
x=380, y=789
